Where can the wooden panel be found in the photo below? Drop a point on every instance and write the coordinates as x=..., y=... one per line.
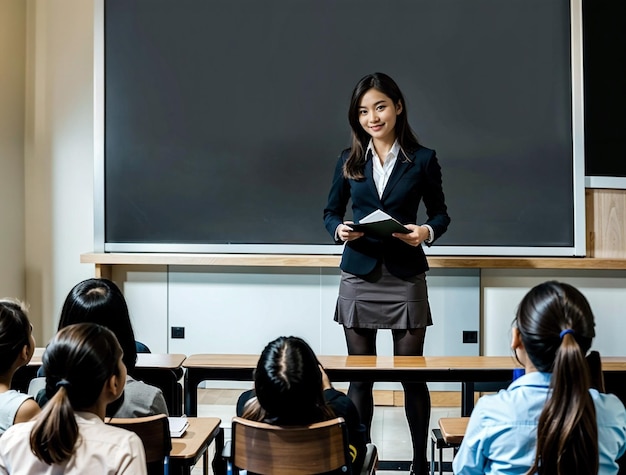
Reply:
x=437, y=398
x=606, y=223
x=384, y=397
x=287, y=260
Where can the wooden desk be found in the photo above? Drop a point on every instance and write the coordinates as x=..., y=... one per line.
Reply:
x=153, y=368
x=159, y=361
x=467, y=370
x=187, y=450
x=462, y=369
x=453, y=429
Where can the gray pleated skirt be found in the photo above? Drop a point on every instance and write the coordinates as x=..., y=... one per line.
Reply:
x=382, y=300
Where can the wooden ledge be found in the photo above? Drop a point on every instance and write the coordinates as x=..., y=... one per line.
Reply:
x=297, y=260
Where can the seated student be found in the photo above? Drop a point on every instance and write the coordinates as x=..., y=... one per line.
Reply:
x=16, y=349
x=291, y=388
x=84, y=373
x=549, y=421
x=101, y=301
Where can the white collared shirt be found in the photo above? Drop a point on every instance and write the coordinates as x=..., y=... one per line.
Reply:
x=100, y=449
x=382, y=171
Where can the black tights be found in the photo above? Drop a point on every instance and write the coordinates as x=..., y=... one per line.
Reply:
x=362, y=341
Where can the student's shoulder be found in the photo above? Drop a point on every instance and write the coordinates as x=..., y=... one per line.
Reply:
x=116, y=439
x=12, y=396
x=332, y=395
x=27, y=410
x=341, y=404
x=608, y=407
x=138, y=388
x=495, y=407
x=16, y=435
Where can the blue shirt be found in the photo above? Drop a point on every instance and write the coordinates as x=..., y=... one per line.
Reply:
x=501, y=434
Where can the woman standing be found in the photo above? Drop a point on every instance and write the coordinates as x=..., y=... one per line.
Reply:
x=383, y=283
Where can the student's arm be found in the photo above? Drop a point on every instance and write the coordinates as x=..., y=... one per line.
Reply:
x=159, y=406
x=27, y=411
x=343, y=406
x=470, y=459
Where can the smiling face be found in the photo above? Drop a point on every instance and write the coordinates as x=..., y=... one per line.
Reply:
x=377, y=115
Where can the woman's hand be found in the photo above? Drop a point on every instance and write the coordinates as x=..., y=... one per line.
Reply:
x=417, y=235
x=345, y=232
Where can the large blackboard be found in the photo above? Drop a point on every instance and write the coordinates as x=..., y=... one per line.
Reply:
x=224, y=118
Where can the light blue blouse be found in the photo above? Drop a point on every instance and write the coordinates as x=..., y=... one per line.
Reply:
x=501, y=434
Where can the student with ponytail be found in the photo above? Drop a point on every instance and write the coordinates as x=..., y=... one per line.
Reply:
x=84, y=373
x=549, y=421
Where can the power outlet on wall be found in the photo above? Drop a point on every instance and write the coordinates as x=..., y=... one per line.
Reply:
x=178, y=332
x=470, y=337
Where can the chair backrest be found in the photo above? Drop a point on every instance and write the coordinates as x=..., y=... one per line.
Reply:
x=280, y=450
x=154, y=432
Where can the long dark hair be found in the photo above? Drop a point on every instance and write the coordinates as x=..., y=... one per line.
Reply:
x=556, y=326
x=78, y=361
x=355, y=164
x=101, y=301
x=15, y=332
x=288, y=385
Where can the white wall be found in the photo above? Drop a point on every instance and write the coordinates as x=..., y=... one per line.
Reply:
x=239, y=310
x=13, y=73
x=58, y=160
x=503, y=290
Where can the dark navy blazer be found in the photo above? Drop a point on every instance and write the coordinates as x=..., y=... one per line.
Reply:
x=412, y=180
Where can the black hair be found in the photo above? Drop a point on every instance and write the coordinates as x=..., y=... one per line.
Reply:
x=288, y=385
x=355, y=164
x=101, y=301
x=556, y=326
x=15, y=332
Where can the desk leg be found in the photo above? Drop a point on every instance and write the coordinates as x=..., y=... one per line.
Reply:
x=467, y=398
x=191, y=394
x=219, y=464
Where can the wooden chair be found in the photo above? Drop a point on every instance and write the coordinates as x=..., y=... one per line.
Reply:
x=154, y=432
x=304, y=450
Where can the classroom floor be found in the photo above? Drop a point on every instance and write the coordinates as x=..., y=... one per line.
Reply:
x=390, y=431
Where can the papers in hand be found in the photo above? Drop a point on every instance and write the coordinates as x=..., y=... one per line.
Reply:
x=178, y=426
x=379, y=224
